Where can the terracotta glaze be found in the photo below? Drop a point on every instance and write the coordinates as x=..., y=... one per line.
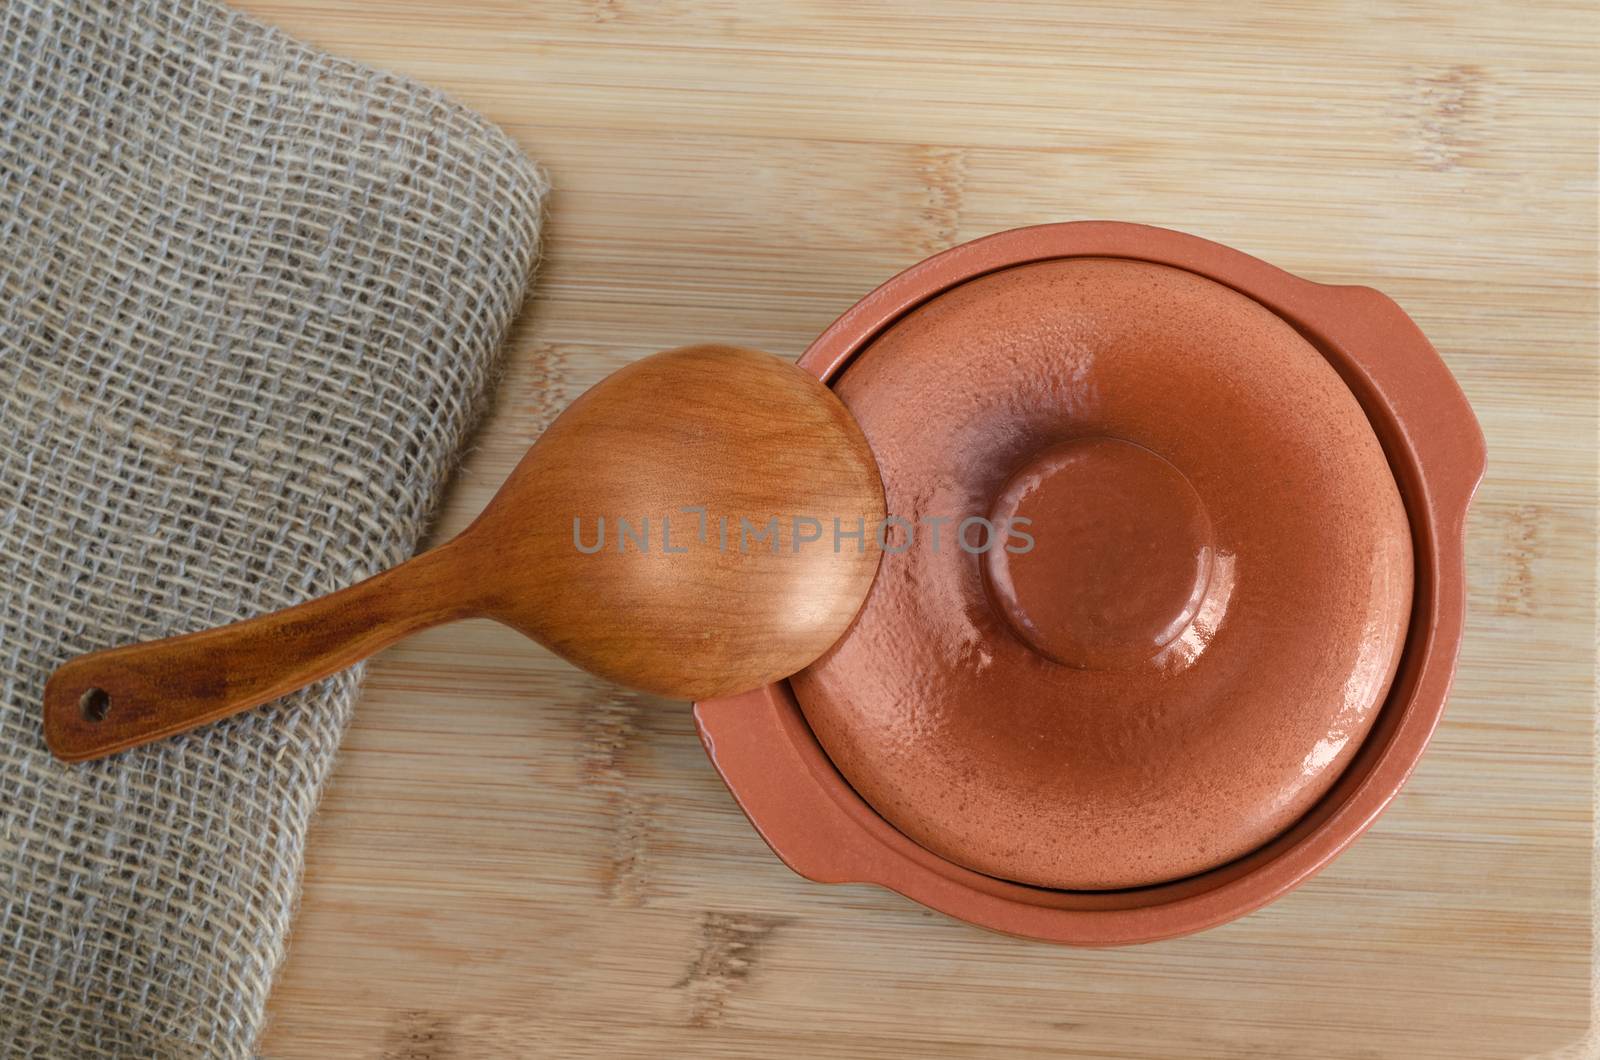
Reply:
x=1204, y=740
x=1208, y=620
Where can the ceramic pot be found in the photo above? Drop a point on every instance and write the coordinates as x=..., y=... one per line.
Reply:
x=820, y=826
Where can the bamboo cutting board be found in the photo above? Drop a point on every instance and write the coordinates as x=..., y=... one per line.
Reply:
x=516, y=859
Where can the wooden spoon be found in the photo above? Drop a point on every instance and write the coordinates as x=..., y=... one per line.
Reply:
x=739, y=484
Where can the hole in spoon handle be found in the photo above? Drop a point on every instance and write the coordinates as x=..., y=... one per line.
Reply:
x=107, y=701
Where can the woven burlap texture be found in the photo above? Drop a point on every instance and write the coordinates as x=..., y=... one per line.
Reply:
x=250, y=298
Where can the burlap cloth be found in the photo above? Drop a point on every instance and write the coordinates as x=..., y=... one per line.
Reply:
x=250, y=297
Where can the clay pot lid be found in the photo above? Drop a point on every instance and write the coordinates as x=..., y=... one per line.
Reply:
x=1207, y=618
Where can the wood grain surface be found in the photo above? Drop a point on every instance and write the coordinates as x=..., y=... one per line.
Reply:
x=516, y=859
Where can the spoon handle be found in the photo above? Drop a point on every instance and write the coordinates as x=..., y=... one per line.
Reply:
x=108, y=701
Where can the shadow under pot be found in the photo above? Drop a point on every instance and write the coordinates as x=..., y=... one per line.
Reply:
x=1171, y=594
